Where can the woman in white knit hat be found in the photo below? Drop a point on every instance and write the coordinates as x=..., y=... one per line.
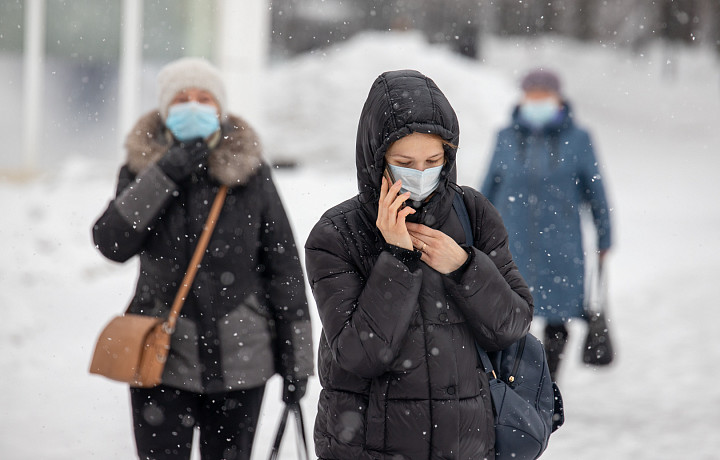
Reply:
x=246, y=315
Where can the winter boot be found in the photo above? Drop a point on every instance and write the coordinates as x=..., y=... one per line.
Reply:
x=556, y=337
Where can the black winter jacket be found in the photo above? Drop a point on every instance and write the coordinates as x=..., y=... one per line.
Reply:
x=246, y=316
x=397, y=357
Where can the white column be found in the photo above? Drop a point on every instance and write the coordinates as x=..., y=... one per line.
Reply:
x=242, y=47
x=33, y=64
x=130, y=65
x=200, y=22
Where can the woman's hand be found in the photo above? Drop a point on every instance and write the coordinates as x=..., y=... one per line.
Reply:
x=391, y=215
x=438, y=250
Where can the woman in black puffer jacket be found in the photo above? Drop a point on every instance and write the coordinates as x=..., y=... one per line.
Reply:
x=246, y=316
x=402, y=299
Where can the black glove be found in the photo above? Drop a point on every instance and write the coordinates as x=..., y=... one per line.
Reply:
x=293, y=390
x=184, y=158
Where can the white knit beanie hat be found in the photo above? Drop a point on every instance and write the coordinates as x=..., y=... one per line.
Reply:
x=189, y=72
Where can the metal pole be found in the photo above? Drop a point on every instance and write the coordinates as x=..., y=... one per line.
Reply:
x=130, y=64
x=33, y=63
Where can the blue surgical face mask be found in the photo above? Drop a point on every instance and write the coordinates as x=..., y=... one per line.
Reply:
x=189, y=120
x=538, y=113
x=420, y=184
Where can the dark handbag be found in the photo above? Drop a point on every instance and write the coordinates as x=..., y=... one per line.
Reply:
x=299, y=424
x=134, y=348
x=598, y=347
x=527, y=404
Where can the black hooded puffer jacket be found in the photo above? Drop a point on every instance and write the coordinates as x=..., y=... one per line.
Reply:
x=397, y=357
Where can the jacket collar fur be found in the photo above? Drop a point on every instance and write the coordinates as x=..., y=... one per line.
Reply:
x=235, y=159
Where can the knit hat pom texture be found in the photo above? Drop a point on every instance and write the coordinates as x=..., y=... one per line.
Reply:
x=190, y=72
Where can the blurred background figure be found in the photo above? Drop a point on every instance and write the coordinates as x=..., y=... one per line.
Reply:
x=246, y=316
x=542, y=172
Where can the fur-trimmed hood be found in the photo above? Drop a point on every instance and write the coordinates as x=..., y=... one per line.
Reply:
x=235, y=159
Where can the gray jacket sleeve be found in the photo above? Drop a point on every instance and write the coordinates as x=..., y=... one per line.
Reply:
x=120, y=231
x=285, y=285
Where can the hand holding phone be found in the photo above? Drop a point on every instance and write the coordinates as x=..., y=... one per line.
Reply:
x=392, y=212
x=391, y=181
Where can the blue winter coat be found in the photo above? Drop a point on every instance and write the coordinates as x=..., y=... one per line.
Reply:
x=538, y=180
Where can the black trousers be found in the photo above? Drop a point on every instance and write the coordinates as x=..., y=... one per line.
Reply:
x=164, y=420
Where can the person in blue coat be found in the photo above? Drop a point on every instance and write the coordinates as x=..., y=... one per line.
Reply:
x=542, y=172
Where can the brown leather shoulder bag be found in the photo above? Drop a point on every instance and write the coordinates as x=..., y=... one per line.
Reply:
x=133, y=348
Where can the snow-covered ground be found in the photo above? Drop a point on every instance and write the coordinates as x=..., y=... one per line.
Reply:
x=656, y=136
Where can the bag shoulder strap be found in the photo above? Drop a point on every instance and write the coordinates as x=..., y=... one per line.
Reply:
x=196, y=259
x=595, y=302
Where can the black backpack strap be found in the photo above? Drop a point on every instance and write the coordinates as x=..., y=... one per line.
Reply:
x=485, y=360
x=462, y=213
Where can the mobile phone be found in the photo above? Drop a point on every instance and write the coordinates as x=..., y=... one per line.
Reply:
x=389, y=176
